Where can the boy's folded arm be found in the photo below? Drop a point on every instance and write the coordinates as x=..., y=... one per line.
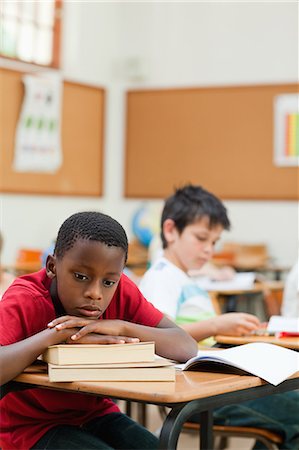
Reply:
x=164, y=334
x=201, y=330
x=170, y=340
x=14, y=358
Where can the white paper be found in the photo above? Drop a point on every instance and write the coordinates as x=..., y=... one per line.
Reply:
x=241, y=281
x=278, y=324
x=270, y=362
x=38, y=136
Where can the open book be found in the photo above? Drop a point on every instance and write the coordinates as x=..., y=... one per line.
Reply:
x=270, y=362
x=65, y=354
x=158, y=370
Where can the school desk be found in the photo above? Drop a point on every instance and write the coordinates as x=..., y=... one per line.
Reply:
x=289, y=342
x=247, y=299
x=255, y=289
x=192, y=392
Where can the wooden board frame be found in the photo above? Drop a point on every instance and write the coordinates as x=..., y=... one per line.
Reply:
x=218, y=137
x=82, y=141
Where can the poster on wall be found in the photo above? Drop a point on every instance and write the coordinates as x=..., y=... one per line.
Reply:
x=38, y=136
x=286, y=130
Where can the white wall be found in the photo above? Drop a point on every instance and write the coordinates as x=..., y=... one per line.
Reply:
x=124, y=45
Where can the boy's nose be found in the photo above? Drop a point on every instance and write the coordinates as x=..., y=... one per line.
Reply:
x=94, y=291
x=209, y=249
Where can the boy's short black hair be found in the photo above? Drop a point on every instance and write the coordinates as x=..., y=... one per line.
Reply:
x=92, y=226
x=190, y=203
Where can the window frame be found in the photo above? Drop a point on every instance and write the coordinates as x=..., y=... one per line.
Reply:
x=56, y=47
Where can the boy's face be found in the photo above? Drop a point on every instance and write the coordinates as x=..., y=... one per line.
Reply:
x=87, y=277
x=191, y=249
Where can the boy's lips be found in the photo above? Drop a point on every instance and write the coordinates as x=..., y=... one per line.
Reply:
x=203, y=260
x=90, y=311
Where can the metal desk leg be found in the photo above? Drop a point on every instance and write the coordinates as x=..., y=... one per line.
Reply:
x=175, y=420
x=206, y=427
x=142, y=413
x=231, y=304
x=129, y=408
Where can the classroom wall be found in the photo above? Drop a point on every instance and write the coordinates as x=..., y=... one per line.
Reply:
x=127, y=45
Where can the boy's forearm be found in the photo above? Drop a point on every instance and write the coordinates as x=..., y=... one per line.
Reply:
x=201, y=330
x=172, y=343
x=14, y=358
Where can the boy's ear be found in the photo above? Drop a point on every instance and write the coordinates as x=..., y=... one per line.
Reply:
x=169, y=230
x=51, y=266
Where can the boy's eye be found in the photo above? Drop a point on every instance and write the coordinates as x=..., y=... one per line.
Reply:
x=109, y=283
x=80, y=276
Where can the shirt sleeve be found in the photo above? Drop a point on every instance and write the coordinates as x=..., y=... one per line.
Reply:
x=160, y=291
x=290, y=301
x=22, y=314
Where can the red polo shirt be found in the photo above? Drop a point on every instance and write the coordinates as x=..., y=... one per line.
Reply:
x=26, y=309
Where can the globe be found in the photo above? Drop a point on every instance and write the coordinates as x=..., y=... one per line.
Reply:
x=146, y=223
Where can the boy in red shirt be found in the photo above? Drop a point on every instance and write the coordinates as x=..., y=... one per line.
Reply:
x=81, y=296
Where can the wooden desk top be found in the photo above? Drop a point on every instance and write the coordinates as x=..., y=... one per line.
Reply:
x=273, y=285
x=289, y=342
x=188, y=386
x=259, y=286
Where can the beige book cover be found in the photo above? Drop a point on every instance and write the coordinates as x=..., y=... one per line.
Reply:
x=158, y=370
x=64, y=354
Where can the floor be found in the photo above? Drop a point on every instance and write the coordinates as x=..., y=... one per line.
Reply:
x=188, y=440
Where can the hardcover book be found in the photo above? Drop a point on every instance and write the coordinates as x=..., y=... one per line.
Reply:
x=65, y=354
x=157, y=370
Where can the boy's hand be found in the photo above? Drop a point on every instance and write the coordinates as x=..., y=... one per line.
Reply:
x=93, y=331
x=236, y=324
x=96, y=338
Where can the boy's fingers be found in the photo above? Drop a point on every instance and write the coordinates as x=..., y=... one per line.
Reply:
x=103, y=339
x=248, y=327
x=251, y=324
x=71, y=323
x=251, y=321
x=55, y=322
x=89, y=328
x=251, y=317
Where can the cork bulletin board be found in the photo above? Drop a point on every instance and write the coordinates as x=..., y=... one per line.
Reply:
x=219, y=137
x=82, y=141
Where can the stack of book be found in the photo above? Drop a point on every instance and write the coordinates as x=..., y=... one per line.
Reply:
x=115, y=362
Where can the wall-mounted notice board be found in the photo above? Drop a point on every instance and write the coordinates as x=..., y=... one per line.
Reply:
x=219, y=137
x=82, y=141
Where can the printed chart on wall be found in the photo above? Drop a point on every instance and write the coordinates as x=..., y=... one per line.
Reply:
x=38, y=137
x=286, y=134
